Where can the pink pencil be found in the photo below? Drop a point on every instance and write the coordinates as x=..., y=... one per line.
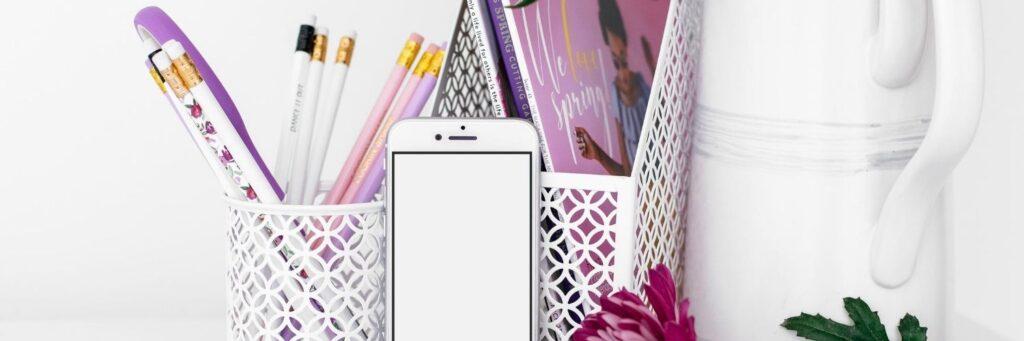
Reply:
x=371, y=182
x=396, y=110
x=387, y=94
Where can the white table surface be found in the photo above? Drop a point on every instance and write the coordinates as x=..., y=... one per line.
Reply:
x=116, y=329
x=962, y=328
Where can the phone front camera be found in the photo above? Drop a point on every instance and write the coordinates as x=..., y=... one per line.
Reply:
x=437, y=137
x=463, y=127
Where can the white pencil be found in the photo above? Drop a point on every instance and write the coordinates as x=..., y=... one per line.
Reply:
x=226, y=132
x=307, y=119
x=325, y=115
x=296, y=87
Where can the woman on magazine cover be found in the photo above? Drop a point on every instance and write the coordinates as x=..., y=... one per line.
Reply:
x=629, y=98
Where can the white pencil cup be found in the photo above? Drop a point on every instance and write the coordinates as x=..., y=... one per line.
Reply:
x=306, y=272
x=601, y=233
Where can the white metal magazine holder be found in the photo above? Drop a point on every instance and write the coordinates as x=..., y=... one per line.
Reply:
x=601, y=233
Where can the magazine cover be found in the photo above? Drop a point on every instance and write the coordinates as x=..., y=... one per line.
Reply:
x=587, y=68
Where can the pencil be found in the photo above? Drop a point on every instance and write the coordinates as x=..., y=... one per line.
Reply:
x=326, y=114
x=234, y=150
x=371, y=182
x=195, y=133
x=296, y=87
x=308, y=119
x=380, y=108
x=396, y=112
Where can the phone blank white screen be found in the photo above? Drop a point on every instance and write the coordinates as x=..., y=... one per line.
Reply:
x=461, y=234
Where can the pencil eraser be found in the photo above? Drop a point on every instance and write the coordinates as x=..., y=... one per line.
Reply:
x=431, y=48
x=444, y=46
x=416, y=38
x=161, y=61
x=321, y=31
x=174, y=48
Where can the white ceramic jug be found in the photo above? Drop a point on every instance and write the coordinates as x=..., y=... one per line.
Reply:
x=823, y=138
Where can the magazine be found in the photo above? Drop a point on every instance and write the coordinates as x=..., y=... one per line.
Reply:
x=587, y=68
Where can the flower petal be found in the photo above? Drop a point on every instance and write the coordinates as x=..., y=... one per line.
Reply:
x=663, y=307
x=661, y=292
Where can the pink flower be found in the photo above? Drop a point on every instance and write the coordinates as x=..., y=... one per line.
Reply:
x=209, y=128
x=196, y=110
x=225, y=156
x=624, y=317
x=250, y=193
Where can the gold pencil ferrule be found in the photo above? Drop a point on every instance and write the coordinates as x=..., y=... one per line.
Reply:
x=156, y=79
x=408, y=54
x=435, y=63
x=174, y=82
x=185, y=68
x=423, y=64
x=345, y=47
x=319, y=48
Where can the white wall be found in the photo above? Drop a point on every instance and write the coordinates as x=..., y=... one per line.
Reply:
x=106, y=210
x=988, y=188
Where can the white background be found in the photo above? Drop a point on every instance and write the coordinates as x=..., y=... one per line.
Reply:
x=107, y=212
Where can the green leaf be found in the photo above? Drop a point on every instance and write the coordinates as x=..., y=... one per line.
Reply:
x=522, y=3
x=911, y=329
x=865, y=321
x=817, y=327
x=866, y=325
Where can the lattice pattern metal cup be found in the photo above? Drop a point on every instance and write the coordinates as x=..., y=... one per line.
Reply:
x=294, y=276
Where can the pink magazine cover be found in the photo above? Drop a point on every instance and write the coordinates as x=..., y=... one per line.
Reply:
x=587, y=69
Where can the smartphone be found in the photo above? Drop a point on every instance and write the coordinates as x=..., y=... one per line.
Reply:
x=462, y=211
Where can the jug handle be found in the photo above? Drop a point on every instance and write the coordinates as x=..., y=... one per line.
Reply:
x=899, y=42
x=959, y=87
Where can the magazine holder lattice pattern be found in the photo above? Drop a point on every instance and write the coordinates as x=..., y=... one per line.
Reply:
x=462, y=91
x=601, y=233
x=282, y=283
